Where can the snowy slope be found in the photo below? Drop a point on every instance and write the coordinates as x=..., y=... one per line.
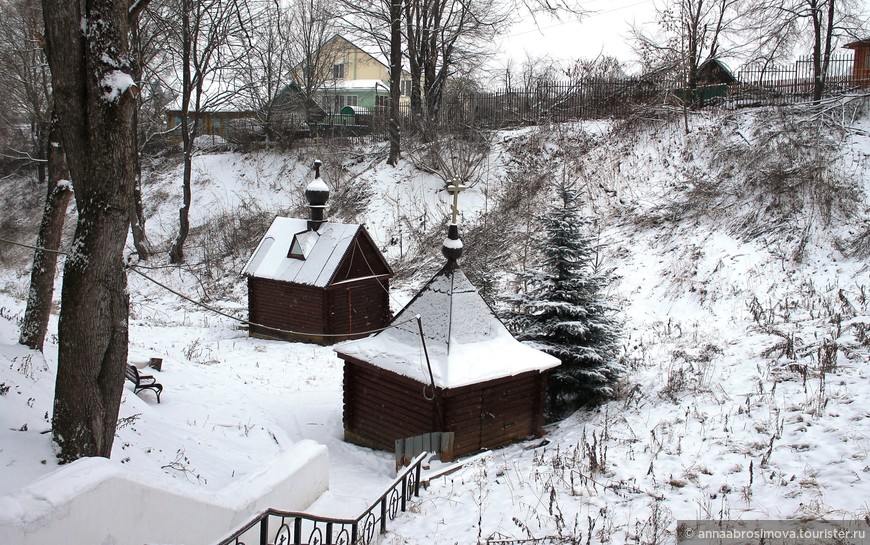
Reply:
x=746, y=321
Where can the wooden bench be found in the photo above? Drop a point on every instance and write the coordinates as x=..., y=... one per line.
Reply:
x=143, y=382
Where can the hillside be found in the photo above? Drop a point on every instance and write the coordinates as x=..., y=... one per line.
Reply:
x=738, y=253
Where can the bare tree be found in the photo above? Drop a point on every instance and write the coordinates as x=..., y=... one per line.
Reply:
x=688, y=33
x=145, y=45
x=88, y=53
x=266, y=72
x=378, y=23
x=25, y=83
x=781, y=27
x=206, y=39
x=58, y=194
x=313, y=42
x=440, y=36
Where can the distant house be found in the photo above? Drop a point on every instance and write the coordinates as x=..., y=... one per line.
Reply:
x=715, y=72
x=317, y=281
x=445, y=364
x=210, y=123
x=352, y=77
x=861, y=61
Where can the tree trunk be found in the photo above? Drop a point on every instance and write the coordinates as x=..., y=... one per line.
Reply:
x=87, y=49
x=395, y=79
x=137, y=211
x=39, y=298
x=188, y=134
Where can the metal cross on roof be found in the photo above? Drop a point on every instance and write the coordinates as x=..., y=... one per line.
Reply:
x=454, y=190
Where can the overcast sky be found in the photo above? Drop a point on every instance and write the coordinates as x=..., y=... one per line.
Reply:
x=606, y=29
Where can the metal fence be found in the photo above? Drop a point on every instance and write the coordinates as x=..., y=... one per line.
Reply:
x=615, y=98
x=285, y=528
x=597, y=98
x=779, y=85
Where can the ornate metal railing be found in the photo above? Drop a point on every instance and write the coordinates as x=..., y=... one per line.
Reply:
x=273, y=527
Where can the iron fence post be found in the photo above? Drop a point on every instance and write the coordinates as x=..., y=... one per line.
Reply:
x=417, y=479
x=264, y=529
x=297, y=531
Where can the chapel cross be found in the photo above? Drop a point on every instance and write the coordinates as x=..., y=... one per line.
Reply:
x=454, y=190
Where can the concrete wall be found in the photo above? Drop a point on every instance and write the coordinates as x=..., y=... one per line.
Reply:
x=95, y=501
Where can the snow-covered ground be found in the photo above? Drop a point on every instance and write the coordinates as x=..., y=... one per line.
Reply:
x=748, y=352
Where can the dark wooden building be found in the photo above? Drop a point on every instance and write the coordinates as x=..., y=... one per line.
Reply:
x=447, y=363
x=861, y=61
x=715, y=72
x=317, y=281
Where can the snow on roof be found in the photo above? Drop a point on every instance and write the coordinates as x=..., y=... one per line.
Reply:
x=466, y=342
x=357, y=84
x=323, y=250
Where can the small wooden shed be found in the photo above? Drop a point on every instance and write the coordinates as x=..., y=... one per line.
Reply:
x=715, y=72
x=861, y=61
x=447, y=363
x=317, y=281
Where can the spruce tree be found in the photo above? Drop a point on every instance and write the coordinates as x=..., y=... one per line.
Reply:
x=563, y=312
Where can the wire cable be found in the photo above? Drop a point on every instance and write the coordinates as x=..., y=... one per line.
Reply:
x=249, y=323
x=32, y=247
x=217, y=311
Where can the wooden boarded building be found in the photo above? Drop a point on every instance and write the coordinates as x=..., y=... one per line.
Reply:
x=861, y=61
x=447, y=363
x=317, y=281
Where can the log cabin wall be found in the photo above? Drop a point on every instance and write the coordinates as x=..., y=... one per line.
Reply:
x=362, y=260
x=289, y=307
x=381, y=406
x=495, y=413
x=361, y=306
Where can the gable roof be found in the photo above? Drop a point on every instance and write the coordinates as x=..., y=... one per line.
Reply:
x=324, y=250
x=857, y=43
x=348, y=43
x=466, y=342
x=715, y=71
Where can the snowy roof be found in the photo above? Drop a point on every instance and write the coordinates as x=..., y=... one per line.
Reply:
x=322, y=249
x=349, y=84
x=466, y=342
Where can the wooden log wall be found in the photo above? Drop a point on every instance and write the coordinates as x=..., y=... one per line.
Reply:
x=285, y=306
x=381, y=406
x=358, y=306
x=362, y=260
x=495, y=413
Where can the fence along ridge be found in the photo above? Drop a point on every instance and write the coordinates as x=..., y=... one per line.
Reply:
x=597, y=97
x=327, y=530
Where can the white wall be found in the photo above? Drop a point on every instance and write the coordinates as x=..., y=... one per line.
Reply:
x=94, y=501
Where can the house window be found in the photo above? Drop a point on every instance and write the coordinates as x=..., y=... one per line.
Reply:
x=382, y=101
x=338, y=71
x=405, y=86
x=351, y=100
x=296, y=249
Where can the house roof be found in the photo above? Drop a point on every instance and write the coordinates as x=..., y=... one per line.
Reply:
x=323, y=252
x=465, y=341
x=376, y=56
x=356, y=84
x=716, y=69
x=857, y=43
